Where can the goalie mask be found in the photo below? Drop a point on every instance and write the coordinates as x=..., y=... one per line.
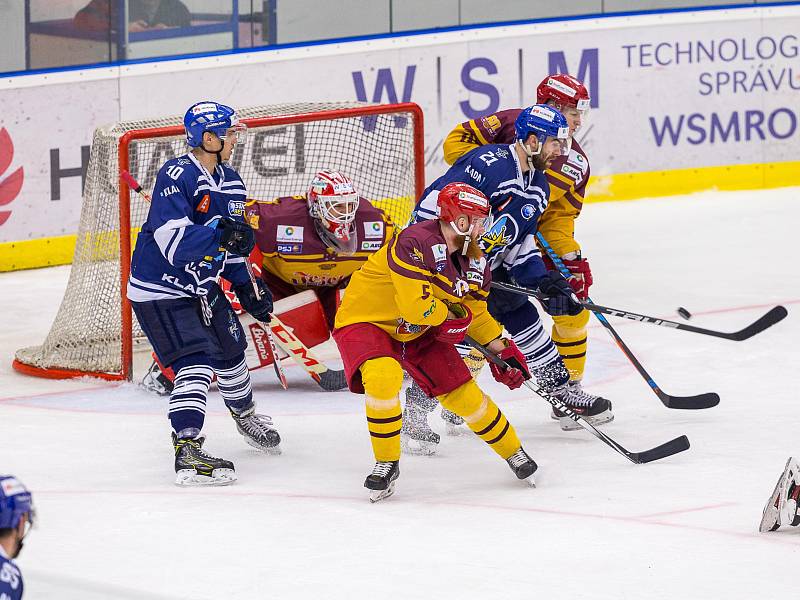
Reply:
x=333, y=203
x=457, y=199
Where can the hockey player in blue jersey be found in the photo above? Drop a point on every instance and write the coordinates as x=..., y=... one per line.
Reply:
x=513, y=178
x=196, y=233
x=16, y=519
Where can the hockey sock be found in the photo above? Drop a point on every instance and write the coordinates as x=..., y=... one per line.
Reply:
x=483, y=417
x=528, y=334
x=569, y=336
x=233, y=380
x=187, y=402
x=382, y=378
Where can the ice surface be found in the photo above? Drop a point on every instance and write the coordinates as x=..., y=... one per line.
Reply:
x=113, y=525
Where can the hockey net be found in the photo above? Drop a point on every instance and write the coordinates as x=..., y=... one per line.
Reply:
x=380, y=147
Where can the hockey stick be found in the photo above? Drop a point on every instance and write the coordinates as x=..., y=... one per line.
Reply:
x=697, y=402
x=329, y=380
x=679, y=444
x=134, y=185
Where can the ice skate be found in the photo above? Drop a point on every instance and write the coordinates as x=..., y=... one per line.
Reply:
x=594, y=409
x=781, y=508
x=194, y=466
x=416, y=435
x=523, y=466
x=257, y=430
x=155, y=381
x=382, y=479
x=453, y=423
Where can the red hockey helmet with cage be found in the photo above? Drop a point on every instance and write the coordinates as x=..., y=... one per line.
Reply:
x=333, y=203
x=564, y=90
x=456, y=199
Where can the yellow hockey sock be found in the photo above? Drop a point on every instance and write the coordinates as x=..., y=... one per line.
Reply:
x=570, y=337
x=383, y=378
x=483, y=417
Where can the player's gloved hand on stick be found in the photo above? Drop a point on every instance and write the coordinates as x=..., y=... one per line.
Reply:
x=560, y=298
x=454, y=328
x=259, y=308
x=517, y=371
x=581, y=278
x=236, y=237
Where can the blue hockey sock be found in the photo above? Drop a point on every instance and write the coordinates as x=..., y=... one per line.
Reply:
x=187, y=402
x=233, y=380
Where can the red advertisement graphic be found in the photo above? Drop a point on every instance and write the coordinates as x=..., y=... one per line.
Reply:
x=11, y=185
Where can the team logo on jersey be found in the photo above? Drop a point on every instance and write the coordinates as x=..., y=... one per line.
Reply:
x=290, y=233
x=404, y=327
x=236, y=208
x=528, y=211
x=477, y=264
x=577, y=158
x=461, y=288
x=204, y=204
x=417, y=255
x=290, y=248
x=371, y=245
x=571, y=171
x=373, y=229
x=502, y=232
x=501, y=152
x=491, y=124
x=233, y=325
x=439, y=252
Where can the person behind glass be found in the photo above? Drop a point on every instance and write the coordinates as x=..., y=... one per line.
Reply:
x=102, y=15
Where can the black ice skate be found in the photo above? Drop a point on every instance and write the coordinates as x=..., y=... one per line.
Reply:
x=523, y=466
x=595, y=409
x=194, y=466
x=258, y=430
x=781, y=508
x=416, y=436
x=155, y=381
x=382, y=479
x=453, y=423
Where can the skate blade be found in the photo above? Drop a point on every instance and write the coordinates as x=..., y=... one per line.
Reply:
x=273, y=450
x=455, y=430
x=190, y=478
x=530, y=480
x=378, y=495
x=417, y=447
x=568, y=424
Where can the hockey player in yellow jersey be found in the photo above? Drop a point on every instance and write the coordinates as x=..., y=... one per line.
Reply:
x=405, y=309
x=567, y=176
x=317, y=241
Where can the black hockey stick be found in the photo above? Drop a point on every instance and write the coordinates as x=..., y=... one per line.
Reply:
x=699, y=401
x=679, y=444
x=774, y=315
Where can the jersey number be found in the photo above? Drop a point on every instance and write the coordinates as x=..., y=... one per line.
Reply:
x=174, y=171
x=488, y=158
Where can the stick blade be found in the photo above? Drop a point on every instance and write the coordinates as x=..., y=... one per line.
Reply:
x=774, y=315
x=700, y=401
x=679, y=444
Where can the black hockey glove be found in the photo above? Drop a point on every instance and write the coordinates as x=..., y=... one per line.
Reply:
x=236, y=237
x=560, y=297
x=260, y=309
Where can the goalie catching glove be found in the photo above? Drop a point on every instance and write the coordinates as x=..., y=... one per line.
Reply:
x=453, y=330
x=560, y=297
x=517, y=371
x=260, y=308
x=236, y=237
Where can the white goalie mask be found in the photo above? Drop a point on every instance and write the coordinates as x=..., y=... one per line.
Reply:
x=333, y=203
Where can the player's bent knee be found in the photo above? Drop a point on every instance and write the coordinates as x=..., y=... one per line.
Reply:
x=467, y=401
x=570, y=326
x=382, y=377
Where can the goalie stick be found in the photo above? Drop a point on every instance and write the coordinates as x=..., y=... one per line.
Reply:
x=679, y=444
x=136, y=187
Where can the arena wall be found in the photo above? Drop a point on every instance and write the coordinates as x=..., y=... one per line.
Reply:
x=681, y=102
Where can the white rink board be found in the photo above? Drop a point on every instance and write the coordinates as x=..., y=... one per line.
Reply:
x=112, y=525
x=722, y=79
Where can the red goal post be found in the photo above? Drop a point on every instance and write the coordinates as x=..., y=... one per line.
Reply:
x=380, y=147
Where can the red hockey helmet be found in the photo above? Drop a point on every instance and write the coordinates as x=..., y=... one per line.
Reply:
x=457, y=199
x=333, y=202
x=564, y=90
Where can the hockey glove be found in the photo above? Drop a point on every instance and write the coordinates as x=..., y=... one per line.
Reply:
x=517, y=371
x=560, y=298
x=452, y=331
x=259, y=308
x=581, y=278
x=236, y=237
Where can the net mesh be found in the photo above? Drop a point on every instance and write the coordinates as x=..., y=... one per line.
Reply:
x=376, y=151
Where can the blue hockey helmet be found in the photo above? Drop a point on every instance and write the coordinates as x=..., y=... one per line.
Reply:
x=15, y=501
x=543, y=121
x=210, y=116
